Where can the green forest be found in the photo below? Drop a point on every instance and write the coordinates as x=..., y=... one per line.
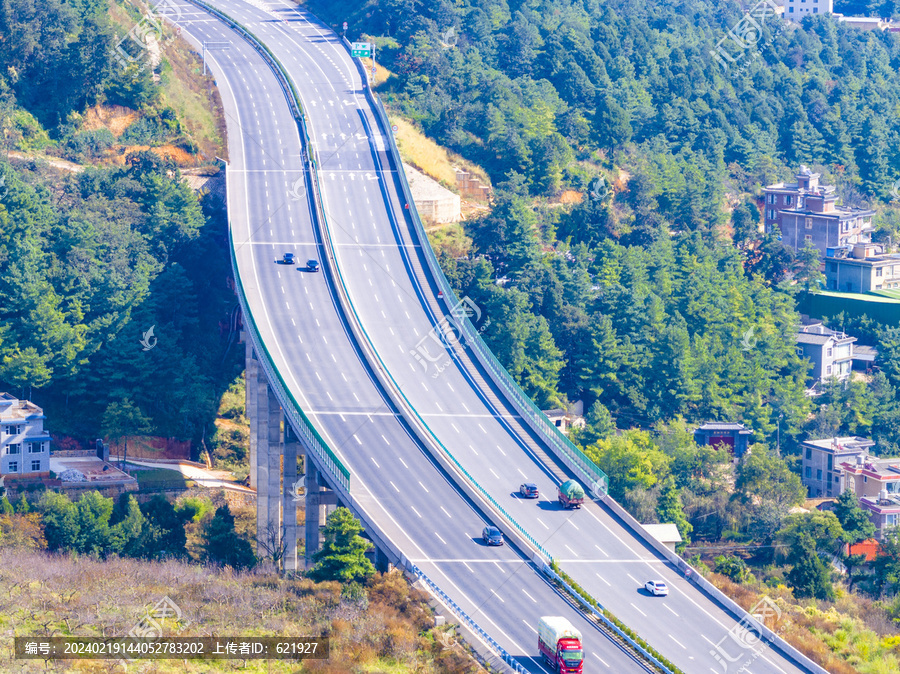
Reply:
x=638, y=299
x=116, y=313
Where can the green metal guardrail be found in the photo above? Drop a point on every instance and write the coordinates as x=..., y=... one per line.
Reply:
x=564, y=448
x=301, y=423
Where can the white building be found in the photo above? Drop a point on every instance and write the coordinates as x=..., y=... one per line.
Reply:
x=24, y=444
x=795, y=10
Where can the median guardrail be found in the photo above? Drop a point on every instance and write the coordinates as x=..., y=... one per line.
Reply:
x=470, y=623
x=563, y=448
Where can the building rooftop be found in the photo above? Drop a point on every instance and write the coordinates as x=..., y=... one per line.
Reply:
x=848, y=443
x=725, y=426
x=817, y=333
x=883, y=469
x=13, y=409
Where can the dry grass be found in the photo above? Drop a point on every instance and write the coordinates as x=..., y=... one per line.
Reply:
x=195, y=99
x=432, y=159
x=46, y=595
x=113, y=117
x=838, y=635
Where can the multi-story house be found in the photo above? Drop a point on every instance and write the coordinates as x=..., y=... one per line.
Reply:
x=822, y=462
x=797, y=9
x=861, y=268
x=806, y=211
x=829, y=351
x=24, y=444
x=877, y=484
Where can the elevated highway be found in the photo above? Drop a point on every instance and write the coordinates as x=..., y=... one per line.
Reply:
x=354, y=350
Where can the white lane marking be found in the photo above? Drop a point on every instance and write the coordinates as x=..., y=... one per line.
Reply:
x=530, y=626
x=570, y=550
x=358, y=441
x=671, y=611
x=413, y=509
x=398, y=491
x=375, y=462
x=404, y=463
x=602, y=550
x=638, y=610
x=446, y=513
x=493, y=473
x=439, y=537
x=677, y=642
x=603, y=579
x=423, y=486
x=633, y=578
x=498, y=596
x=542, y=522
x=604, y=661
x=386, y=441
x=529, y=596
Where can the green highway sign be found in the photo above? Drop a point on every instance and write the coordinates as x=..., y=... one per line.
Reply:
x=361, y=49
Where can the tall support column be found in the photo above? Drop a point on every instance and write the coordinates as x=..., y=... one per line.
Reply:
x=268, y=467
x=250, y=395
x=290, y=489
x=314, y=512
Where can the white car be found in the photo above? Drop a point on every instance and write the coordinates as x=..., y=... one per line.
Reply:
x=657, y=588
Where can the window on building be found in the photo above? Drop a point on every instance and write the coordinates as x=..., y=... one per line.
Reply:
x=808, y=237
x=832, y=266
x=808, y=471
x=830, y=462
x=828, y=352
x=865, y=478
x=13, y=466
x=837, y=478
x=818, y=473
x=828, y=369
x=808, y=452
x=35, y=447
x=878, y=271
x=787, y=200
x=35, y=466
x=809, y=223
x=559, y=422
x=15, y=448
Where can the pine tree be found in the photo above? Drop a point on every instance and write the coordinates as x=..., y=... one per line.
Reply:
x=669, y=509
x=223, y=546
x=23, y=507
x=128, y=535
x=6, y=506
x=809, y=577
x=853, y=518
x=343, y=554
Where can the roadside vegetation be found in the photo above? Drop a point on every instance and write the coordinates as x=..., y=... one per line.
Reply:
x=384, y=625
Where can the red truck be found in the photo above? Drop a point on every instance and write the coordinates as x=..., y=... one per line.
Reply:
x=560, y=644
x=570, y=494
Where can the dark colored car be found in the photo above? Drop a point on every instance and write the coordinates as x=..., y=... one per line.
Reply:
x=492, y=536
x=529, y=490
x=288, y=258
x=312, y=265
